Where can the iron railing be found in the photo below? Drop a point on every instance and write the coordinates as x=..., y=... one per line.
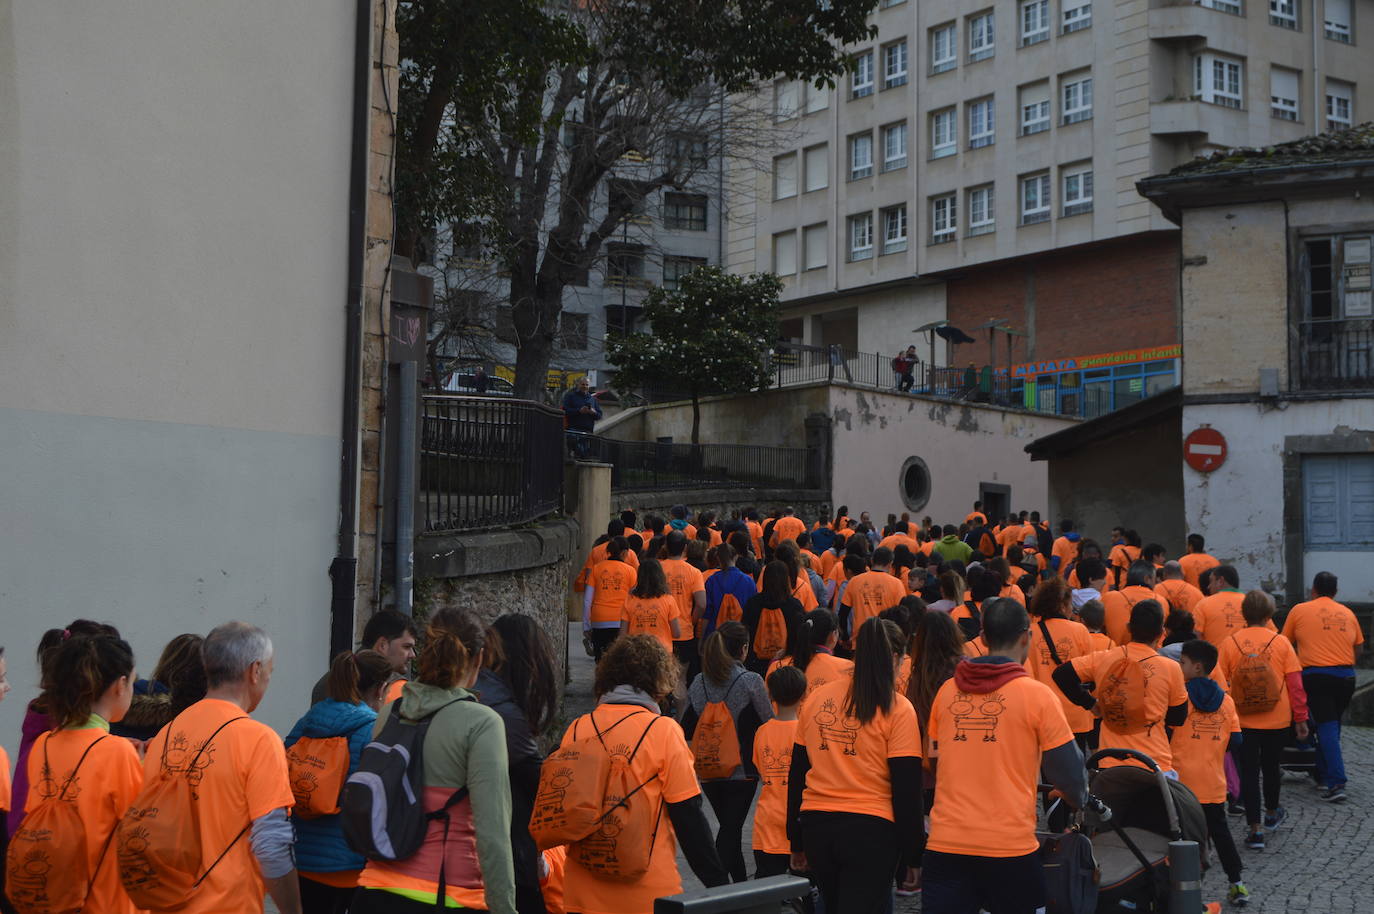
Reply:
x=1336, y=354
x=488, y=462
x=643, y=465
x=792, y=363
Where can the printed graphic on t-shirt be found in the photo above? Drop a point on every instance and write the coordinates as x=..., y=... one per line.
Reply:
x=1209, y=724
x=1333, y=619
x=833, y=727
x=194, y=760
x=774, y=766
x=977, y=714
x=1063, y=645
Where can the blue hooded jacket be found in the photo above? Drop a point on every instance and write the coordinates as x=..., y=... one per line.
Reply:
x=320, y=844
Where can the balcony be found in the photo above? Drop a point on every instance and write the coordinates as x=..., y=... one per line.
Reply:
x=1220, y=125
x=1223, y=30
x=1336, y=354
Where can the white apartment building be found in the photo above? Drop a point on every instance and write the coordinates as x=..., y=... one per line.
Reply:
x=977, y=141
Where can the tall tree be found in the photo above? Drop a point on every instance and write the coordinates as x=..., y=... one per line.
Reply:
x=513, y=115
x=710, y=335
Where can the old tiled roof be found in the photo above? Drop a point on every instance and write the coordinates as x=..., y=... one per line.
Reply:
x=1337, y=147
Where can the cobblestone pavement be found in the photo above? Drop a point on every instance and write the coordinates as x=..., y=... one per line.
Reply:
x=1321, y=861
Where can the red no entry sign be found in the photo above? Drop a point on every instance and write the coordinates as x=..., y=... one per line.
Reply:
x=1204, y=449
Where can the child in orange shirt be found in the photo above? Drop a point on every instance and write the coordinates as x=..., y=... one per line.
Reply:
x=1200, y=748
x=773, y=758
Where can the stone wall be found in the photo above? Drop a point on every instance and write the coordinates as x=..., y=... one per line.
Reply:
x=490, y=574
x=809, y=505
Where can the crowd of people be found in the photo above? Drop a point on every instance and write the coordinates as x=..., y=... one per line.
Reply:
x=885, y=703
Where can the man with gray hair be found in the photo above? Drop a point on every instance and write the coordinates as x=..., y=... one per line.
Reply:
x=237, y=770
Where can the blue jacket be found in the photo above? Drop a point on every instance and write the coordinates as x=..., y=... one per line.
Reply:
x=578, y=421
x=320, y=844
x=732, y=581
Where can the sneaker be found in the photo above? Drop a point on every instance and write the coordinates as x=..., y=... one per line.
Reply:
x=1335, y=794
x=1274, y=818
x=1235, y=809
x=1255, y=841
x=1238, y=895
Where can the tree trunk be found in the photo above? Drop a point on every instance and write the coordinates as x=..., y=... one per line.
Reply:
x=696, y=418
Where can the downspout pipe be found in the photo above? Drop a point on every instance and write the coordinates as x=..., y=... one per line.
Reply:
x=343, y=571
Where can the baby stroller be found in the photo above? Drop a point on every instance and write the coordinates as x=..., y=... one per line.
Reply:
x=1132, y=847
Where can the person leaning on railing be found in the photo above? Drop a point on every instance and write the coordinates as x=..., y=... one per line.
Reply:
x=580, y=412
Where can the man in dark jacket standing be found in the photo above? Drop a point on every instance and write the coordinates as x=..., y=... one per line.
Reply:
x=580, y=410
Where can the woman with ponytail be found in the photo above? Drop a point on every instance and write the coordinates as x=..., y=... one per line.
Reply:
x=854, y=788
x=465, y=747
x=327, y=866
x=723, y=680
x=88, y=684
x=812, y=650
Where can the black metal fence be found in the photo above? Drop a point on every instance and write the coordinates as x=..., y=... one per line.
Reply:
x=1336, y=354
x=639, y=465
x=488, y=462
x=791, y=363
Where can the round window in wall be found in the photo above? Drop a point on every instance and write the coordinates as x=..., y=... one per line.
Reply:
x=915, y=483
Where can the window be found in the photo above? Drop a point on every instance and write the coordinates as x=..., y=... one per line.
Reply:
x=467, y=244
x=1339, y=103
x=687, y=149
x=630, y=198
x=1283, y=13
x=1222, y=6
x=860, y=156
x=1338, y=501
x=1216, y=79
x=816, y=167
x=861, y=236
x=785, y=253
x=815, y=244
x=572, y=331
x=944, y=48
x=1337, y=20
x=784, y=99
x=624, y=263
x=894, y=229
x=1077, y=98
x=944, y=222
x=886, y=3
x=981, y=36
x=1078, y=189
x=684, y=211
x=1035, y=108
x=894, y=146
x=1283, y=93
x=944, y=140
x=816, y=99
x=1078, y=15
x=674, y=268
x=982, y=123
x=894, y=65
x=1337, y=283
x=1035, y=199
x=1035, y=21
x=981, y=219
x=861, y=79
x=785, y=176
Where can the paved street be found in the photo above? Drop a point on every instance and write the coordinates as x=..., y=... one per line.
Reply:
x=1320, y=862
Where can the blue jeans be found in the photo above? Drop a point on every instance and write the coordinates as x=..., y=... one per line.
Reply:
x=1327, y=698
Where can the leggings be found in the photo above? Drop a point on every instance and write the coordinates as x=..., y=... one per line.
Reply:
x=730, y=801
x=853, y=858
x=1220, y=832
x=1261, y=751
x=318, y=898
x=766, y=864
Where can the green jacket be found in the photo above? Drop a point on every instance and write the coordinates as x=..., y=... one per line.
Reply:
x=951, y=547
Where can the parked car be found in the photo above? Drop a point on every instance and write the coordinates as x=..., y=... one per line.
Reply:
x=464, y=383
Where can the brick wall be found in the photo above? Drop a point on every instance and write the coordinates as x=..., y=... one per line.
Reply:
x=1120, y=295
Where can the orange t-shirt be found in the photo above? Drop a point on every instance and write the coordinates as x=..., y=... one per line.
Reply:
x=664, y=765
x=103, y=790
x=828, y=561
x=849, y=770
x=611, y=582
x=988, y=747
x=1163, y=690
x=1215, y=617
x=773, y=758
x=975, y=648
x=5, y=786
x=1194, y=564
x=899, y=539
x=1071, y=639
x=1012, y=592
x=598, y=554
x=1122, y=556
x=835, y=576
x=869, y=594
x=1076, y=584
x=903, y=674
x=1066, y=549
x=242, y=777
x=756, y=537
x=684, y=582
x=1324, y=632
x=821, y=669
x=803, y=592
x=1282, y=659
x=1117, y=607
x=1199, y=748
x=1177, y=594
x=1101, y=641
x=394, y=689
x=650, y=616
x=977, y=517
x=786, y=530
